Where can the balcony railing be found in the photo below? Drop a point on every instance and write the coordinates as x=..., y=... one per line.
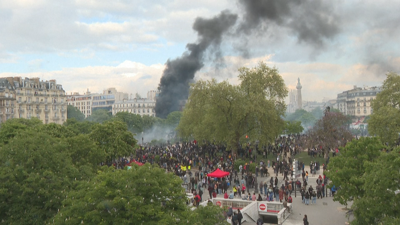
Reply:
x=56, y=118
x=6, y=98
x=21, y=110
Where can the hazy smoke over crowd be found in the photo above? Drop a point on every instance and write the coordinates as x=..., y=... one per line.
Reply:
x=304, y=18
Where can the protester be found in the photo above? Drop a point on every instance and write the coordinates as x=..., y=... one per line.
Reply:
x=239, y=217
x=305, y=220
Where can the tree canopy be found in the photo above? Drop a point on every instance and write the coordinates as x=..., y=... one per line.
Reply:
x=114, y=139
x=99, y=116
x=329, y=132
x=226, y=113
x=293, y=127
x=385, y=119
x=141, y=195
x=35, y=170
x=365, y=173
x=380, y=203
x=306, y=118
x=346, y=171
x=74, y=113
x=51, y=174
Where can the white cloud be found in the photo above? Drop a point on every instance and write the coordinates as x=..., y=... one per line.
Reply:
x=99, y=78
x=45, y=25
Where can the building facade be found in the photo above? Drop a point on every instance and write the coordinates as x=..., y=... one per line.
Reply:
x=152, y=95
x=357, y=101
x=106, y=99
x=82, y=102
x=30, y=97
x=140, y=106
x=89, y=102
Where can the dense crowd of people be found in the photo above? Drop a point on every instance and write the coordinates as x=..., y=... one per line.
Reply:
x=192, y=161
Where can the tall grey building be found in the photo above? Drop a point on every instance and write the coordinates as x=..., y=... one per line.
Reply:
x=299, y=99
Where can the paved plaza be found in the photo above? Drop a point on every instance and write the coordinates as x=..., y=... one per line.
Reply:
x=324, y=212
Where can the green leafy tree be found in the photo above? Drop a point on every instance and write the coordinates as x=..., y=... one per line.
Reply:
x=148, y=122
x=113, y=138
x=173, y=119
x=225, y=113
x=12, y=128
x=210, y=214
x=84, y=152
x=99, y=116
x=134, y=122
x=306, y=118
x=84, y=127
x=346, y=170
x=141, y=195
x=329, y=132
x=317, y=113
x=293, y=127
x=385, y=119
x=35, y=174
x=56, y=130
x=380, y=203
x=296, y=115
x=74, y=113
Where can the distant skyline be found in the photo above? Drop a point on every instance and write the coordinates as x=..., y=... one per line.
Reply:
x=125, y=44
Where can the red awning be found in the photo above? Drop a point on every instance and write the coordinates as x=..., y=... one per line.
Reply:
x=218, y=174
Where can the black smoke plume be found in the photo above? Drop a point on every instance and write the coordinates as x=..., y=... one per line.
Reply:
x=312, y=22
x=174, y=83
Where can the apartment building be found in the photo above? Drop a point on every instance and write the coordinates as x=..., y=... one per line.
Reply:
x=357, y=101
x=89, y=102
x=30, y=97
x=140, y=106
x=106, y=99
x=82, y=102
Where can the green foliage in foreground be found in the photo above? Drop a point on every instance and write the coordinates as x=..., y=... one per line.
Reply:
x=50, y=174
x=385, y=119
x=369, y=176
x=141, y=195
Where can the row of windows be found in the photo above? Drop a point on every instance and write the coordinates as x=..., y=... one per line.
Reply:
x=103, y=103
x=134, y=105
x=81, y=103
x=103, y=97
x=364, y=93
x=135, y=111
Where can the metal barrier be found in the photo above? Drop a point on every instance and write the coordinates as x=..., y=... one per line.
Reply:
x=252, y=210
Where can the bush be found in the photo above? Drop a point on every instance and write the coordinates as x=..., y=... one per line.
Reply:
x=253, y=167
x=238, y=162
